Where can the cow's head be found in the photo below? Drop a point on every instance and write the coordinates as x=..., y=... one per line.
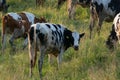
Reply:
x=112, y=39
x=40, y=20
x=43, y=20
x=72, y=39
x=76, y=39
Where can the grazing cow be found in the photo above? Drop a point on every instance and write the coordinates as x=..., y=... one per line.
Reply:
x=52, y=39
x=103, y=10
x=3, y=6
x=17, y=24
x=115, y=33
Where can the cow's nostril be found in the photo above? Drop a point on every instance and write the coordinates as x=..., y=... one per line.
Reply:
x=76, y=47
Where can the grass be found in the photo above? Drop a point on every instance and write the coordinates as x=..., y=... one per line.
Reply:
x=93, y=61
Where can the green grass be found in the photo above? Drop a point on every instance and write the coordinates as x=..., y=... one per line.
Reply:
x=93, y=61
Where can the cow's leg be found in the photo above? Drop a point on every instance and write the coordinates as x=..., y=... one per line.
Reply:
x=91, y=26
x=100, y=22
x=40, y=61
x=3, y=34
x=3, y=42
x=71, y=9
x=93, y=18
x=33, y=57
x=25, y=43
x=16, y=34
x=31, y=60
x=11, y=40
x=59, y=57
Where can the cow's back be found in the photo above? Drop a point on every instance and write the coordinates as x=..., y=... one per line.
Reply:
x=50, y=35
x=10, y=22
x=26, y=21
x=108, y=7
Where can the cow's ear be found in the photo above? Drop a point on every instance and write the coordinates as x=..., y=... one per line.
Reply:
x=81, y=35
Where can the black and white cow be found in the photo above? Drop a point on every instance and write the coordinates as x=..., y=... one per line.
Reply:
x=115, y=33
x=103, y=10
x=52, y=39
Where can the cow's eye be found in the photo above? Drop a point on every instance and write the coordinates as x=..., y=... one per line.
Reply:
x=67, y=37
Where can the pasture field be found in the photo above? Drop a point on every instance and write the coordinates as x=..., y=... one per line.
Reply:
x=93, y=61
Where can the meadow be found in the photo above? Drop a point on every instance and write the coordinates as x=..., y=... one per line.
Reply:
x=93, y=61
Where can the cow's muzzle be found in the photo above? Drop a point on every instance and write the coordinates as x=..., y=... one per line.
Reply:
x=76, y=48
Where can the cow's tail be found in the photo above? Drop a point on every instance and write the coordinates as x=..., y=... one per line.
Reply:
x=35, y=45
x=32, y=47
x=4, y=22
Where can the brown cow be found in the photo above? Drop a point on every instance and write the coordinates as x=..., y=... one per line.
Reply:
x=17, y=24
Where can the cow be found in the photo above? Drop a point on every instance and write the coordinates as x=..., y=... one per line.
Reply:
x=115, y=33
x=101, y=10
x=51, y=39
x=17, y=24
x=3, y=6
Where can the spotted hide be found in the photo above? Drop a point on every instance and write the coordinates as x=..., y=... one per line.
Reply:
x=52, y=39
x=115, y=33
x=17, y=24
x=101, y=10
